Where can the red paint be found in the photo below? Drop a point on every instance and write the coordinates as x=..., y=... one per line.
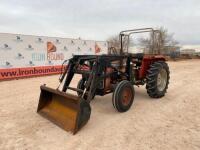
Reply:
x=55, y=56
x=97, y=49
x=16, y=73
x=146, y=62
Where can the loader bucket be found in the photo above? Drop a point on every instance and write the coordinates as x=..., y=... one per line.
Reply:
x=65, y=110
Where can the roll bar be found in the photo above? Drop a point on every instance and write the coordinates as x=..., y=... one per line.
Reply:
x=134, y=31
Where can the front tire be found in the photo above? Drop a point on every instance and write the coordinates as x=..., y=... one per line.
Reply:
x=80, y=85
x=123, y=96
x=157, y=79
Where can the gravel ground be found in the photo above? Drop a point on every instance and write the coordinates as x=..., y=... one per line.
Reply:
x=172, y=122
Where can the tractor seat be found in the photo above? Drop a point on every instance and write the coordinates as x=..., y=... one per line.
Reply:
x=138, y=55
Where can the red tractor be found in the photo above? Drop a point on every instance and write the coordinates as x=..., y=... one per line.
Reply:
x=101, y=75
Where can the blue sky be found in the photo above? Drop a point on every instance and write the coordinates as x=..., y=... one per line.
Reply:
x=92, y=19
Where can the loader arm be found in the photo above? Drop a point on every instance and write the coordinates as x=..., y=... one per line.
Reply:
x=71, y=112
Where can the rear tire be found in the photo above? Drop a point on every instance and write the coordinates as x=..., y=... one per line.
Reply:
x=123, y=96
x=157, y=79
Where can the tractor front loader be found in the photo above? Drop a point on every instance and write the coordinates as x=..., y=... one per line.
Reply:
x=101, y=75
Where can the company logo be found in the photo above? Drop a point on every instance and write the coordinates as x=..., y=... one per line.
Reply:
x=97, y=48
x=49, y=63
x=38, y=57
x=19, y=56
x=31, y=63
x=72, y=42
x=57, y=41
x=78, y=49
x=65, y=48
x=51, y=47
x=84, y=43
x=30, y=47
x=6, y=47
x=18, y=39
x=7, y=65
x=52, y=54
x=39, y=40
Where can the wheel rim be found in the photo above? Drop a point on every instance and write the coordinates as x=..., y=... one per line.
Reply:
x=126, y=96
x=162, y=80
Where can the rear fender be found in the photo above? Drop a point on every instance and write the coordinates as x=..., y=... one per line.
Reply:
x=146, y=62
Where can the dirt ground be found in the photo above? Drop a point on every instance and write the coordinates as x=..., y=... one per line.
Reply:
x=172, y=122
